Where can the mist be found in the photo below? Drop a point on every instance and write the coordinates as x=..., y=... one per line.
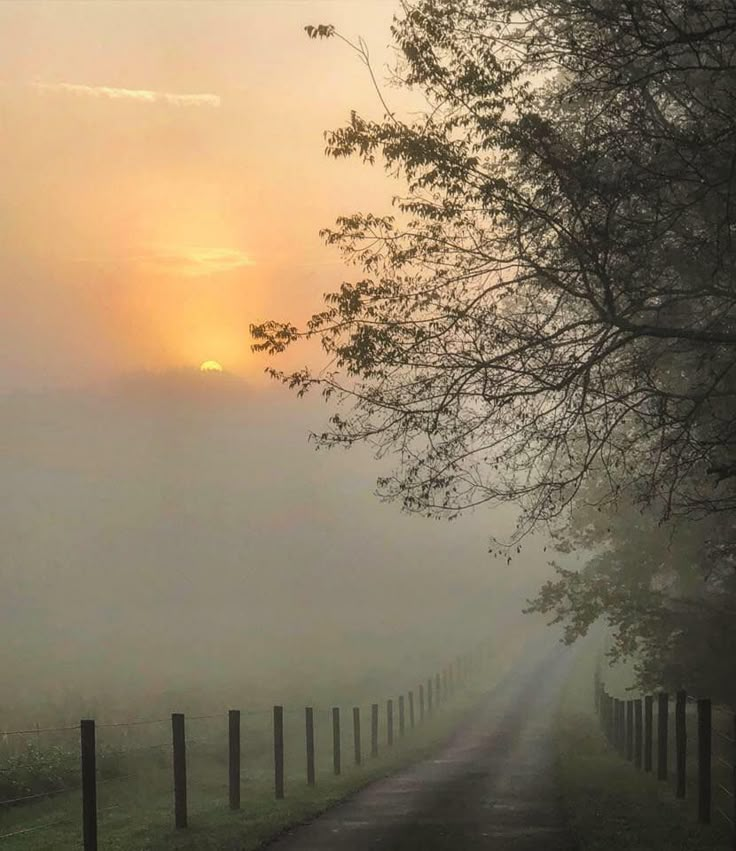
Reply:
x=177, y=534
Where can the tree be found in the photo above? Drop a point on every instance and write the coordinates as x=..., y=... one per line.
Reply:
x=666, y=590
x=553, y=297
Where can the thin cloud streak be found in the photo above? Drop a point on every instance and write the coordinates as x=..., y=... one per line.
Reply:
x=190, y=262
x=140, y=95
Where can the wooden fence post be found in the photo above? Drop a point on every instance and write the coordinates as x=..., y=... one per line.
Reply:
x=681, y=742
x=389, y=722
x=180, y=769
x=623, y=728
x=614, y=722
x=733, y=779
x=89, y=784
x=411, y=709
x=278, y=751
x=356, y=735
x=638, y=732
x=402, y=717
x=336, y=755
x=705, y=733
x=437, y=695
x=421, y=702
x=233, y=738
x=309, y=730
x=374, y=729
x=429, y=697
x=630, y=730
x=648, y=731
x=663, y=720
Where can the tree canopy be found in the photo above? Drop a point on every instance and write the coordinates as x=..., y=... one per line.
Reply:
x=548, y=314
x=555, y=292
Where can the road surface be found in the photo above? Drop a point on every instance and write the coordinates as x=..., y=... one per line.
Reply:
x=492, y=787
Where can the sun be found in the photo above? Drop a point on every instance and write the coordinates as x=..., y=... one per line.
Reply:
x=210, y=366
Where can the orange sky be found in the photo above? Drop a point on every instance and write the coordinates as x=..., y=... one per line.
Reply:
x=164, y=178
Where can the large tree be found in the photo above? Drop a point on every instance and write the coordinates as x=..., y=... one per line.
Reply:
x=548, y=314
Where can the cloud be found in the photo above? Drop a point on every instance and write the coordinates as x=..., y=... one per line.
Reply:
x=193, y=262
x=138, y=95
x=188, y=262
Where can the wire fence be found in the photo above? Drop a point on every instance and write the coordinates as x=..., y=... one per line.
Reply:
x=678, y=738
x=88, y=780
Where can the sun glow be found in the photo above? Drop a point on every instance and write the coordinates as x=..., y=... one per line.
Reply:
x=210, y=366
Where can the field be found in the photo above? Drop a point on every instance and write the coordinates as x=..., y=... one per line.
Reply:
x=135, y=777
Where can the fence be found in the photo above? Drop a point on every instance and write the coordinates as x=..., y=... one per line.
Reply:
x=655, y=733
x=237, y=738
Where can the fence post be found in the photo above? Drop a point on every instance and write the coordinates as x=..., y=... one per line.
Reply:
x=309, y=729
x=411, y=709
x=89, y=784
x=622, y=724
x=402, y=720
x=374, y=729
x=278, y=751
x=648, y=741
x=704, y=760
x=630, y=730
x=356, y=735
x=336, y=761
x=638, y=732
x=180, y=769
x=429, y=697
x=663, y=720
x=733, y=779
x=619, y=737
x=421, y=702
x=681, y=742
x=233, y=719
x=614, y=723
x=389, y=722
x=437, y=695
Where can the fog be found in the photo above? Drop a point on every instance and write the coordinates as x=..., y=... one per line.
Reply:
x=175, y=537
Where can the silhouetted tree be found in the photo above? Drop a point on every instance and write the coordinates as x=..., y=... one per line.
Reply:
x=554, y=295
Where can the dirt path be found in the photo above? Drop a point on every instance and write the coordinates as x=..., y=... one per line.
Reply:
x=492, y=787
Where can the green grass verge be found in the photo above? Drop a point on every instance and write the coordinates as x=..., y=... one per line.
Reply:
x=135, y=812
x=611, y=804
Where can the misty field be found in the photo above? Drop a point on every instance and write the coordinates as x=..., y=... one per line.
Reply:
x=134, y=773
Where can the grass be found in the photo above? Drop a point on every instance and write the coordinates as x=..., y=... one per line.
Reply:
x=135, y=810
x=610, y=803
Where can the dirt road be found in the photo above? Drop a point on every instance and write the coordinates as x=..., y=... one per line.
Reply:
x=493, y=787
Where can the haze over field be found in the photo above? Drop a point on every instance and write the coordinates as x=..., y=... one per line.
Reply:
x=176, y=533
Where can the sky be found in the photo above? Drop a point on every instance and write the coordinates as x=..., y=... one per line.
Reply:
x=164, y=178
x=164, y=183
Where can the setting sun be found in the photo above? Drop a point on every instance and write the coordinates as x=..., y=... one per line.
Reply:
x=210, y=366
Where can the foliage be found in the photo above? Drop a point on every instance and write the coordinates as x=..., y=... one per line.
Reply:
x=666, y=591
x=36, y=770
x=548, y=315
x=554, y=293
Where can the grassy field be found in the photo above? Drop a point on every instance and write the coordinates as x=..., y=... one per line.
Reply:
x=135, y=795
x=611, y=804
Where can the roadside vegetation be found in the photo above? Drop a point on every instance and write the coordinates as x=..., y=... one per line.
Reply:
x=611, y=804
